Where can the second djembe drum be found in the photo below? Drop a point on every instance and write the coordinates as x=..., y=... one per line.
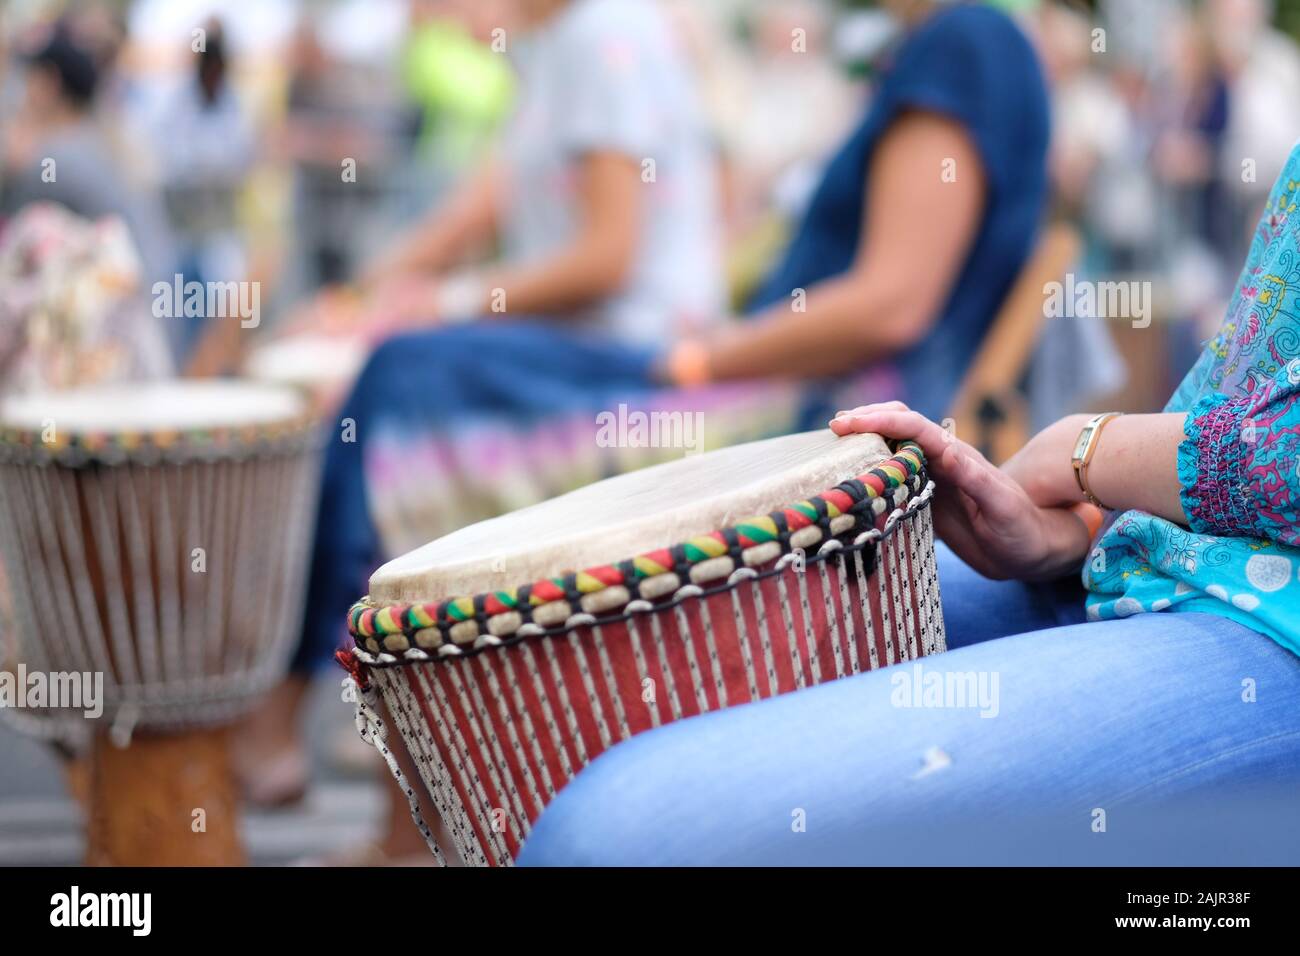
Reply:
x=511, y=653
x=155, y=538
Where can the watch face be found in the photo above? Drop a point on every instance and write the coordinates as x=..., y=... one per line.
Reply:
x=1082, y=444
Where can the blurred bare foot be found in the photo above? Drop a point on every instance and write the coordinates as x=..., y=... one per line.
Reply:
x=267, y=749
x=368, y=854
x=402, y=837
x=402, y=843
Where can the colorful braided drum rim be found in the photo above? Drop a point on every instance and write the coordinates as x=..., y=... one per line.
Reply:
x=78, y=446
x=454, y=627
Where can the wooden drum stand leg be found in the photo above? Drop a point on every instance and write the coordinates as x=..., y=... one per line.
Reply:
x=164, y=800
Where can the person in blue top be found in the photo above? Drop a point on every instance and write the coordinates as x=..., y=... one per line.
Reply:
x=1169, y=679
x=919, y=226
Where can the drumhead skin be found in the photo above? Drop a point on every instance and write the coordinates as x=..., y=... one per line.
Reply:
x=621, y=516
x=151, y=421
x=307, y=361
x=184, y=405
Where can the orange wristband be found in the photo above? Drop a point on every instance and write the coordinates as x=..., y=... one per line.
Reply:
x=688, y=364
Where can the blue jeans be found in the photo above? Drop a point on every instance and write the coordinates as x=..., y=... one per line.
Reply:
x=1159, y=738
x=425, y=381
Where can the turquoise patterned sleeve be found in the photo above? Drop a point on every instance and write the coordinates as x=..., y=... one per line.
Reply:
x=1239, y=466
x=1239, y=462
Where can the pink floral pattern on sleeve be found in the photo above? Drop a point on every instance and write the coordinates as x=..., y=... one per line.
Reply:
x=1240, y=464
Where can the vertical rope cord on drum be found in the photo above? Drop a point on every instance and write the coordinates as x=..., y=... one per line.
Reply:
x=711, y=644
x=611, y=687
x=503, y=781
x=787, y=621
x=688, y=645
x=400, y=693
x=218, y=531
x=921, y=575
x=856, y=615
x=462, y=762
x=670, y=682
x=244, y=537
x=834, y=620
x=192, y=609
x=264, y=585
x=145, y=627
x=642, y=664
x=373, y=731
x=904, y=590
x=13, y=543
x=548, y=712
x=511, y=657
x=938, y=633
x=104, y=510
x=173, y=560
x=52, y=582
x=588, y=685
x=867, y=543
x=566, y=705
x=896, y=592
x=77, y=568
x=21, y=546
x=738, y=615
x=488, y=673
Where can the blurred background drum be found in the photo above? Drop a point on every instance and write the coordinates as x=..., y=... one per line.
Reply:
x=502, y=693
x=321, y=367
x=155, y=538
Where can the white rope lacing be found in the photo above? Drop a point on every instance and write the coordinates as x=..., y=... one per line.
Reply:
x=374, y=731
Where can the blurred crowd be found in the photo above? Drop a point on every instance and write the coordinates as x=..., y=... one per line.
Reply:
x=283, y=144
x=215, y=130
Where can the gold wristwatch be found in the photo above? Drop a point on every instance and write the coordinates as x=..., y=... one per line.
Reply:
x=1085, y=447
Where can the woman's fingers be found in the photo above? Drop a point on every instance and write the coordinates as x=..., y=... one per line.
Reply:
x=979, y=497
x=954, y=529
x=997, y=500
x=863, y=409
x=898, y=423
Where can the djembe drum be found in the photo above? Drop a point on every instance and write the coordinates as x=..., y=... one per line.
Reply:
x=320, y=367
x=157, y=535
x=658, y=594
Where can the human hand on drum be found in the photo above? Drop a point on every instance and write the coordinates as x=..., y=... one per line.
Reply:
x=400, y=303
x=980, y=511
x=390, y=307
x=333, y=311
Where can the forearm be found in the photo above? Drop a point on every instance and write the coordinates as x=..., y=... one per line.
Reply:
x=595, y=262
x=848, y=323
x=438, y=242
x=1135, y=465
x=577, y=276
x=916, y=234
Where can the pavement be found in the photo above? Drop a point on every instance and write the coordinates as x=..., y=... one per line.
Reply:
x=40, y=825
